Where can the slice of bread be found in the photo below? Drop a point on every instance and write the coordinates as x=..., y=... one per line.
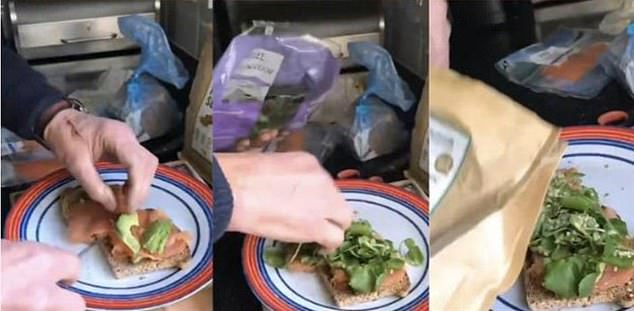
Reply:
x=125, y=268
x=540, y=299
x=344, y=298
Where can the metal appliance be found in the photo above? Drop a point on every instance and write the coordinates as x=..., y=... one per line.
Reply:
x=74, y=42
x=550, y=14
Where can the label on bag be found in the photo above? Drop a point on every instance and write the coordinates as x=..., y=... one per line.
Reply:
x=553, y=55
x=262, y=65
x=446, y=151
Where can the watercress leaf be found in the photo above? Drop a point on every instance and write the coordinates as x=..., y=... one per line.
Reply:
x=359, y=228
x=619, y=225
x=560, y=252
x=414, y=255
x=578, y=203
x=562, y=277
x=362, y=280
x=275, y=257
x=586, y=286
x=379, y=279
x=395, y=264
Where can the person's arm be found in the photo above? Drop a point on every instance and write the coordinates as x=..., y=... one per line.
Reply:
x=26, y=95
x=439, y=33
x=285, y=196
x=223, y=201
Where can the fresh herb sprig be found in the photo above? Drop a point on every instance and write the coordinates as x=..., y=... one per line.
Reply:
x=576, y=238
x=366, y=257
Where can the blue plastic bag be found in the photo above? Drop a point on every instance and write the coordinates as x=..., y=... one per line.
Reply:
x=383, y=79
x=144, y=103
x=376, y=129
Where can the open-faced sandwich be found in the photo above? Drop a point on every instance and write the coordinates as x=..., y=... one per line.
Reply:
x=581, y=253
x=366, y=267
x=140, y=242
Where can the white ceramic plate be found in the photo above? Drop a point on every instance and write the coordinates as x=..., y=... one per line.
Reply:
x=395, y=213
x=37, y=217
x=606, y=157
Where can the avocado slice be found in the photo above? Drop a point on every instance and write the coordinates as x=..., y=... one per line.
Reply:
x=124, y=229
x=155, y=237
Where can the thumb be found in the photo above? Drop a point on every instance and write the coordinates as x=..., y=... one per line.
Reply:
x=83, y=169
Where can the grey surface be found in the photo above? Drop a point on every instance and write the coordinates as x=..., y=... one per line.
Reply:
x=39, y=11
x=319, y=18
x=185, y=23
x=405, y=35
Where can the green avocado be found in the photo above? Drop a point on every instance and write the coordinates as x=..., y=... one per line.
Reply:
x=124, y=229
x=155, y=237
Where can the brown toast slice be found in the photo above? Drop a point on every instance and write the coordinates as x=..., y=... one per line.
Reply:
x=344, y=298
x=540, y=299
x=125, y=268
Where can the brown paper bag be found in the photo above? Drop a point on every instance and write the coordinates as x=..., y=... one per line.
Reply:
x=419, y=147
x=198, y=123
x=490, y=164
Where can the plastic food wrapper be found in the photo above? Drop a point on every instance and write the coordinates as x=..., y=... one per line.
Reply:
x=376, y=129
x=143, y=102
x=489, y=178
x=619, y=61
x=567, y=63
x=24, y=161
x=268, y=83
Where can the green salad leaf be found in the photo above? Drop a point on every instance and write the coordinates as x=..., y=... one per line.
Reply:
x=362, y=279
x=275, y=257
x=364, y=256
x=414, y=255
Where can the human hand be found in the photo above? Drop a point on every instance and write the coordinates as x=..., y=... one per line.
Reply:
x=285, y=196
x=79, y=140
x=30, y=272
x=439, y=32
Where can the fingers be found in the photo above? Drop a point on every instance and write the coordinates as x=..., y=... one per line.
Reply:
x=331, y=236
x=141, y=169
x=80, y=165
x=64, y=266
x=339, y=212
x=65, y=300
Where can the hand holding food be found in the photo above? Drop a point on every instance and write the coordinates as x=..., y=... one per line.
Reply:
x=366, y=267
x=79, y=140
x=287, y=197
x=30, y=272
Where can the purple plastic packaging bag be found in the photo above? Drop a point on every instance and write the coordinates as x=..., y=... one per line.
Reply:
x=268, y=81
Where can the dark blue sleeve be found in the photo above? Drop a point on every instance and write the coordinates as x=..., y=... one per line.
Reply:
x=223, y=201
x=25, y=94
